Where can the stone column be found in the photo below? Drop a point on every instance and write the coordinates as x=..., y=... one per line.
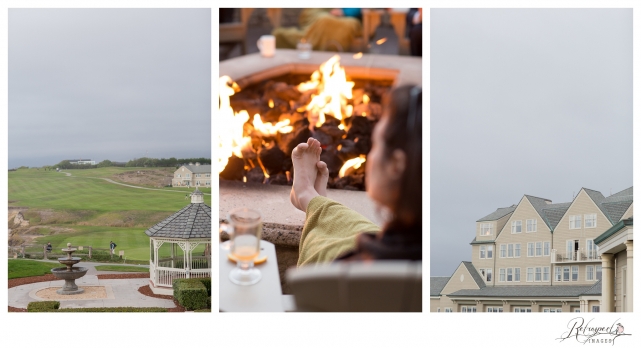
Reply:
x=44, y=250
x=629, y=276
x=607, y=283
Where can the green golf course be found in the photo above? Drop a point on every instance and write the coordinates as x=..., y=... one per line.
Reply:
x=90, y=210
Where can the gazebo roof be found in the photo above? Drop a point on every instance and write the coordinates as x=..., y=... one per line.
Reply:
x=192, y=221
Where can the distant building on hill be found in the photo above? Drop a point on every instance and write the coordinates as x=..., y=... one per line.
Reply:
x=192, y=175
x=82, y=161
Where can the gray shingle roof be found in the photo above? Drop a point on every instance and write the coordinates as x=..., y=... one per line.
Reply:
x=554, y=212
x=437, y=284
x=594, y=290
x=192, y=221
x=475, y=274
x=539, y=205
x=617, y=204
x=499, y=213
x=530, y=291
x=199, y=169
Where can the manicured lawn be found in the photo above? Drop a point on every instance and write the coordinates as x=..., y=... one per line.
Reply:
x=96, y=210
x=114, y=268
x=28, y=268
x=84, y=190
x=133, y=241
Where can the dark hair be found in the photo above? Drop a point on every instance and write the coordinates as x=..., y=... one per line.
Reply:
x=403, y=109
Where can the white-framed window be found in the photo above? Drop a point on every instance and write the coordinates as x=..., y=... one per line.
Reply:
x=517, y=274
x=198, y=175
x=539, y=248
x=571, y=246
x=448, y=310
x=531, y=225
x=598, y=272
x=517, y=250
x=501, y=274
x=592, y=249
x=575, y=222
x=187, y=176
x=546, y=248
x=551, y=310
x=577, y=310
x=487, y=274
x=575, y=273
x=197, y=183
x=490, y=250
x=596, y=308
x=178, y=175
x=530, y=274
x=516, y=226
x=530, y=249
x=208, y=183
x=510, y=276
x=468, y=309
x=495, y=309
x=546, y=274
x=522, y=309
x=566, y=273
x=589, y=272
x=537, y=274
x=482, y=251
x=557, y=272
x=486, y=228
x=590, y=220
x=510, y=250
x=207, y=175
x=503, y=252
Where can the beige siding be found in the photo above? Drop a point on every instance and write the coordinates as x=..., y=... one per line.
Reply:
x=483, y=263
x=582, y=205
x=435, y=303
x=523, y=212
x=593, y=303
x=500, y=223
x=461, y=279
x=621, y=261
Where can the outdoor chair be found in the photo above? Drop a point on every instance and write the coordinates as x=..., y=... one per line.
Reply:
x=380, y=286
x=237, y=31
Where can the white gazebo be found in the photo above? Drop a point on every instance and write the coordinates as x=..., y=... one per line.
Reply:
x=180, y=246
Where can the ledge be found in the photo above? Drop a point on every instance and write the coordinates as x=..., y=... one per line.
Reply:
x=282, y=223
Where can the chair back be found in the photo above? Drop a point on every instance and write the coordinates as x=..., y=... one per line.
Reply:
x=379, y=286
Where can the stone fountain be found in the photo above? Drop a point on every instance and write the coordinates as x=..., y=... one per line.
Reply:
x=69, y=273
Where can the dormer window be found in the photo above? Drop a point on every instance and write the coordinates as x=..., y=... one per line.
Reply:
x=531, y=225
x=486, y=229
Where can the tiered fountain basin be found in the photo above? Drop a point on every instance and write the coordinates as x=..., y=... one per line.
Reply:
x=69, y=273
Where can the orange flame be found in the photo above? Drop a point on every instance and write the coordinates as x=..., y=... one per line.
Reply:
x=333, y=91
x=352, y=163
x=381, y=41
x=230, y=137
x=358, y=55
x=271, y=104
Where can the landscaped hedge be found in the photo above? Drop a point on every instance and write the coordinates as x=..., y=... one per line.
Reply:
x=43, y=306
x=190, y=293
x=54, y=306
x=207, y=283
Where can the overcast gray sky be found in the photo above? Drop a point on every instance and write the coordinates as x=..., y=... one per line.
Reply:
x=111, y=84
x=524, y=101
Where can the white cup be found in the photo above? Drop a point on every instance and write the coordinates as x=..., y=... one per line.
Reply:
x=267, y=45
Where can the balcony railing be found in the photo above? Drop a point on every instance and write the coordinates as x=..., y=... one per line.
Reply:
x=575, y=256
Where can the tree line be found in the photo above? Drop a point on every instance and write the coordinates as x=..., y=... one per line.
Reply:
x=136, y=162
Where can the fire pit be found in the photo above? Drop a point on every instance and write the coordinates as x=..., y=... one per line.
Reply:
x=243, y=183
x=265, y=115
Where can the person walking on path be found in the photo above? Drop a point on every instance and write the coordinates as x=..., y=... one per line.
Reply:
x=112, y=246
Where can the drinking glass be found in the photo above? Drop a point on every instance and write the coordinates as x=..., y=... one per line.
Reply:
x=304, y=49
x=245, y=227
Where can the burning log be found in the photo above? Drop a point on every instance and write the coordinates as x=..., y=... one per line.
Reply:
x=272, y=159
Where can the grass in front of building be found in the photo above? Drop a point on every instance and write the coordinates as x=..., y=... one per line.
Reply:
x=29, y=268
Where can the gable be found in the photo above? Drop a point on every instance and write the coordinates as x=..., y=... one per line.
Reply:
x=460, y=279
x=524, y=210
x=582, y=204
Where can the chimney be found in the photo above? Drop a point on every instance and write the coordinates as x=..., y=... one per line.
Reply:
x=197, y=197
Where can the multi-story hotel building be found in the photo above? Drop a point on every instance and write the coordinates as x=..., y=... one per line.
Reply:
x=537, y=256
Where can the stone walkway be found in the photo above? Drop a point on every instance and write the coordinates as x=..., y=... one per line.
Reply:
x=120, y=292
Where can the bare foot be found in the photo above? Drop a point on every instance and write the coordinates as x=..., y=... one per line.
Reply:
x=304, y=157
x=320, y=185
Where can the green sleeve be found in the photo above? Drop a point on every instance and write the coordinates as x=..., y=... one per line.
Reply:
x=330, y=230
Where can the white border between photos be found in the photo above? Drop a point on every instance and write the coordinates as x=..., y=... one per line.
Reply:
x=296, y=329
